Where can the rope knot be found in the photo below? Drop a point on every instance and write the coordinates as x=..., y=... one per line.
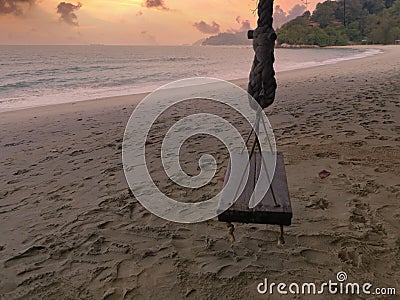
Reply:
x=263, y=36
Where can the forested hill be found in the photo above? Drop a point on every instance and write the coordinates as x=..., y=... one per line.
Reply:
x=345, y=22
x=238, y=38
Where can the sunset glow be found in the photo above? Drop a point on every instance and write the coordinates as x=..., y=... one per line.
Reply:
x=125, y=22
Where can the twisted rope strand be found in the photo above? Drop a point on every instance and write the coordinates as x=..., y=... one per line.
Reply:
x=262, y=83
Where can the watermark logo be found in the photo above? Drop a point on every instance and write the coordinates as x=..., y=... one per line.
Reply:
x=149, y=110
x=330, y=287
x=341, y=276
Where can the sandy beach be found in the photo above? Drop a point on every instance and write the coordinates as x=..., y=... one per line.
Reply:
x=71, y=229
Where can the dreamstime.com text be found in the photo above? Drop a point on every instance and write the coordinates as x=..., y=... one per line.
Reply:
x=341, y=287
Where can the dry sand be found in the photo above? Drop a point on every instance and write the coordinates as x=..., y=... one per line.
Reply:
x=70, y=229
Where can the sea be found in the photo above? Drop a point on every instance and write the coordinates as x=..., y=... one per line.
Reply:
x=44, y=75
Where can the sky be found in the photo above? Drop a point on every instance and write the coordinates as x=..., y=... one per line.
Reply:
x=127, y=22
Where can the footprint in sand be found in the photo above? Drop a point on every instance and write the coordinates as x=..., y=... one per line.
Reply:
x=20, y=172
x=391, y=215
x=327, y=137
x=31, y=255
x=357, y=216
x=318, y=203
x=97, y=247
x=77, y=152
x=384, y=138
x=396, y=129
x=371, y=137
x=327, y=154
x=353, y=255
x=317, y=257
x=364, y=189
x=350, y=133
x=358, y=144
x=363, y=219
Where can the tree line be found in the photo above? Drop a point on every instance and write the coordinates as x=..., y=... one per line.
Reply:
x=339, y=23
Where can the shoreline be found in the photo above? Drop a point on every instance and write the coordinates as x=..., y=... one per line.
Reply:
x=71, y=229
x=239, y=81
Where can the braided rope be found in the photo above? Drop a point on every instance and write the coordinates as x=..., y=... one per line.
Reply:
x=262, y=83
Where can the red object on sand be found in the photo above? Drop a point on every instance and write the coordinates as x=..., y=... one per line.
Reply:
x=324, y=174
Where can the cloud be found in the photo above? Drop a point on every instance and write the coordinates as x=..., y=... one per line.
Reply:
x=203, y=27
x=16, y=7
x=281, y=17
x=244, y=25
x=150, y=39
x=155, y=4
x=67, y=12
x=296, y=11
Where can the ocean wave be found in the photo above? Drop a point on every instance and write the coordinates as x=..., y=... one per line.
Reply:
x=60, y=78
x=169, y=59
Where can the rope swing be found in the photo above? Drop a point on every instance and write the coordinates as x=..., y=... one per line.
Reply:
x=275, y=207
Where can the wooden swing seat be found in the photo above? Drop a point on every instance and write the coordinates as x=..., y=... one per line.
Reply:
x=268, y=211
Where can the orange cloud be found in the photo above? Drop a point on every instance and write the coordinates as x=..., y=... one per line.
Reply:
x=67, y=12
x=155, y=4
x=16, y=7
x=203, y=27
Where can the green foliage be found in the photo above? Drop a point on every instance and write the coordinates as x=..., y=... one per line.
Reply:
x=343, y=22
x=338, y=35
x=324, y=13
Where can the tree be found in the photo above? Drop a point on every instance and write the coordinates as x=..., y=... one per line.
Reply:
x=374, y=6
x=378, y=21
x=325, y=13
